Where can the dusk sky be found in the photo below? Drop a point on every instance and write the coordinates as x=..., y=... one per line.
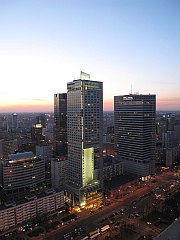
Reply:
x=46, y=43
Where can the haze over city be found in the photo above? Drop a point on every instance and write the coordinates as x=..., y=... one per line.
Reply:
x=45, y=44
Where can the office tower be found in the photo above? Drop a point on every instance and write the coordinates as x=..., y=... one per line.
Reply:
x=135, y=132
x=45, y=151
x=14, y=122
x=41, y=119
x=168, y=136
x=168, y=133
x=60, y=124
x=85, y=132
x=36, y=133
x=168, y=120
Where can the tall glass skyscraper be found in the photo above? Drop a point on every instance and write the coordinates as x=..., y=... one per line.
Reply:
x=60, y=124
x=135, y=139
x=84, y=129
x=14, y=122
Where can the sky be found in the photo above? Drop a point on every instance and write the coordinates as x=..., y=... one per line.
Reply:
x=46, y=43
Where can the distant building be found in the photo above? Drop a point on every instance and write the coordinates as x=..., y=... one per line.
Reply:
x=45, y=151
x=60, y=124
x=14, y=122
x=41, y=119
x=48, y=132
x=168, y=139
x=135, y=136
x=1, y=148
x=7, y=147
x=36, y=133
x=167, y=147
x=167, y=128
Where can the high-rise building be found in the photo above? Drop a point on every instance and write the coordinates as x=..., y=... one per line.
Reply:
x=36, y=133
x=168, y=121
x=41, y=119
x=85, y=133
x=60, y=124
x=168, y=133
x=45, y=151
x=135, y=132
x=167, y=149
x=14, y=122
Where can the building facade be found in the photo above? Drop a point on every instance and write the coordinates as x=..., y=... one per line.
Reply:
x=22, y=172
x=60, y=124
x=14, y=122
x=7, y=147
x=135, y=135
x=59, y=171
x=36, y=133
x=85, y=130
x=14, y=214
x=45, y=151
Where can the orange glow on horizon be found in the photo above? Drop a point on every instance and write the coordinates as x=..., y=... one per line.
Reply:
x=169, y=104
x=27, y=108
x=108, y=105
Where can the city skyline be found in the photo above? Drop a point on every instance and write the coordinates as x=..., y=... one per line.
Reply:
x=44, y=45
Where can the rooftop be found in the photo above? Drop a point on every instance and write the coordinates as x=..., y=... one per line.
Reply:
x=28, y=198
x=170, y=233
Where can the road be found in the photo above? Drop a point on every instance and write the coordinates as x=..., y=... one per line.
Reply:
x=132, y=193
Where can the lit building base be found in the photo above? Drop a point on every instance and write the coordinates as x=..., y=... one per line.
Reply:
x=84, y=197
x=145, y=178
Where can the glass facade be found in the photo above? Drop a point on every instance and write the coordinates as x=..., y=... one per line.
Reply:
x=84, y=128
x=135, y=132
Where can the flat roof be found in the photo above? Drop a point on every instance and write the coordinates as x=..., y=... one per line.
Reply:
x=170, y=233
x=36, y=195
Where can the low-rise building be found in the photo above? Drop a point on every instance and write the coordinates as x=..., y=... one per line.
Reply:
x=14, y=214
x=59, y=171
x=22, y=172
x=112, y=167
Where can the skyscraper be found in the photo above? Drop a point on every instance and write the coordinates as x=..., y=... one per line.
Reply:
x=135, y=132
x=36, y=133
x=168, y=133
x=84, y=128
x=14, y=122
x=60, y=124
x=41, y=119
